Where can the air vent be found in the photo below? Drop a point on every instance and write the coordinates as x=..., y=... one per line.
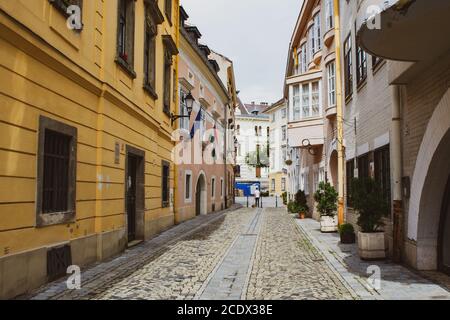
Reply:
x=58, y=260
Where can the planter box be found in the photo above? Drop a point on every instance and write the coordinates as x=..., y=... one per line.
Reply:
x=371, y=246
x=348, y=238
x=328, y=224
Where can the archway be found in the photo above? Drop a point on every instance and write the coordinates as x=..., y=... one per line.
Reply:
x=427, y=207
x=200, y=196
x=333, y=169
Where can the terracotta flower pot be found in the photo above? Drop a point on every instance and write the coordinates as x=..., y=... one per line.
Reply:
x=302, y=215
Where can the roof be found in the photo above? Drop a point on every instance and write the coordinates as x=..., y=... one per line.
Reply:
x=275, y=105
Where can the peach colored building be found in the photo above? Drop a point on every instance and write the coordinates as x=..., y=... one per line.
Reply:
x=204, y=175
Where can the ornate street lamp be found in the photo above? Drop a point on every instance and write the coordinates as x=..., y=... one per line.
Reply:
x=189, y=102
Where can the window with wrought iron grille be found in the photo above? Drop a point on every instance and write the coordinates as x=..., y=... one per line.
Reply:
x=165, y=184
x=56, y=172
x=125, y=35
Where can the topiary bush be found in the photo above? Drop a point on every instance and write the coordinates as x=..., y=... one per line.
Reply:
x=370, y=204
x=300, y=199
x=326, y=198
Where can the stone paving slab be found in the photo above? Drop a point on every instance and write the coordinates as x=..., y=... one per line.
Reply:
x=229, y=279
x=397, y=282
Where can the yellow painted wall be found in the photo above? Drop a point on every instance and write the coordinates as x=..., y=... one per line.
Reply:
x=277, y=176
x=47, y=69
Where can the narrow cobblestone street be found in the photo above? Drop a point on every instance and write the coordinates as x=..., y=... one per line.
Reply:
x=252, y=254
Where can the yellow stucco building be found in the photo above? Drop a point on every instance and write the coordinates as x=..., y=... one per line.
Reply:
x=85, y=132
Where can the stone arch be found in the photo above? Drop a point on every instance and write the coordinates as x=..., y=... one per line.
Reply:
x=428, y=186
x=201, y=200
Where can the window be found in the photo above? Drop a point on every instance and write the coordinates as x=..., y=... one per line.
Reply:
x=296, y=102
x=315, y=101
x=283, y=113
x=213, y=187
x=167, y=81
x=376, y=61
x=329, y=14
x=152, y=18
x=168, y=10
x=184, y=122
x=125, y=36
x=350, y=174
x=331, y=72
x=348, y=73
x=284, y=154
x=188, y=186
x=315, y=180
x=305, y=100
x=283, y=133
x=56, y=172
x=361, y=65
x=383, y=173
x=311, y=43
x=317, y=35
x=272, y=185
x=283, y=184
x=363, y=167
x=303, y=58
x=165, y=184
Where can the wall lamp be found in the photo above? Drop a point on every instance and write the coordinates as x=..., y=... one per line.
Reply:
x=189, y=102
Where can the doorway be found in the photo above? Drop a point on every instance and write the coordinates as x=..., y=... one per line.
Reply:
x=200, y=196
x=134, y=193
x=444, y=234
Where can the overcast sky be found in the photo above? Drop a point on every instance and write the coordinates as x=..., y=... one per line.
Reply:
x=255, y=34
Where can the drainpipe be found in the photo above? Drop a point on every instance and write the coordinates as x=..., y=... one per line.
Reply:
x=396, y=164
x=339, y=113
x=225, y=177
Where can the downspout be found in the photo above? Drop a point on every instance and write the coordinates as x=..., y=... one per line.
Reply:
x=339, y=113
x=396, y=164
x=225, y=177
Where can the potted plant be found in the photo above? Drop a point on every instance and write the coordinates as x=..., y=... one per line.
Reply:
x=326, y=198
x=347, y=233
x=284, y=196
x=300, y=199
x=371, y=206
x=293, y=207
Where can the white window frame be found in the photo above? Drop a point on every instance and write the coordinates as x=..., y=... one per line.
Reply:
x=188, y=173
x=329, y=12
x=306, y=113
x=317, y=33
x=283, y=133
x=304, y=57
x=311, y=43
x=184, y=122
x=331, y=75
x=296, y=103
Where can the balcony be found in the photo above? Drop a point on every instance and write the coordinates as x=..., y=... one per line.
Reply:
x=405, y=30
x=328, y=37
x=331, y=112
x=307, y=130
x=317, y=57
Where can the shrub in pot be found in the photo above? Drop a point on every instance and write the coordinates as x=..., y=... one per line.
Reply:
x=284, y=196
x=293, y=207
x=347, y=233
x=326, y=198
x=300, y=200
x=369, y=202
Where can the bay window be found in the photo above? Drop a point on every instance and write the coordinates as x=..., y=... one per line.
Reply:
x=306, y=100
x=311, y=43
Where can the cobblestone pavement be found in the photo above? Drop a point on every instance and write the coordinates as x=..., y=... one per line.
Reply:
x=287, y=266
x=239, y=254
